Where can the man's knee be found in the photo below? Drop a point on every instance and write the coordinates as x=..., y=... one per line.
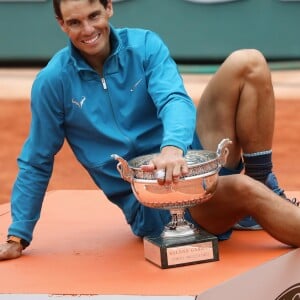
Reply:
x=248, y=57
x=251, y=62
x=241, y=186
x=252, y=67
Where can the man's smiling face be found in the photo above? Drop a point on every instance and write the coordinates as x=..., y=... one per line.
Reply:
x=86, y=22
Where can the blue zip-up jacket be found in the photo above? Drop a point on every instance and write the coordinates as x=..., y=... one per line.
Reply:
x=137, y=106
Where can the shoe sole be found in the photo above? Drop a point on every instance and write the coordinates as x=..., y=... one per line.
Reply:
x=252, y=228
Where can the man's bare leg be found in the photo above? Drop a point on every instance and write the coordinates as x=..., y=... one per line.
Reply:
x=239, y=103
x=239, y=195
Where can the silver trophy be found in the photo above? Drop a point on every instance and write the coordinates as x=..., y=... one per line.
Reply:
x=181, y=242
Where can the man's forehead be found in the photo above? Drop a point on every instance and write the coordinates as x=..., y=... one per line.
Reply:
x=89, y=1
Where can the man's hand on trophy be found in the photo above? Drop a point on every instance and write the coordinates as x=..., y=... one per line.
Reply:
x=169, y=165
x=10, y=250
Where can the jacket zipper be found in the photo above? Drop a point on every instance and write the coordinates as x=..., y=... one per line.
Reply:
x=103, y=83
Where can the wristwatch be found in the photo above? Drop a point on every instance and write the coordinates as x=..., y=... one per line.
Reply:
x=17, y=240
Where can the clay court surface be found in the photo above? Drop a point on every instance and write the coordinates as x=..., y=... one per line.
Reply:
x=82, y=245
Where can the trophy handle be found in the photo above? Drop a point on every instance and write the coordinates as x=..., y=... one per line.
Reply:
x=123, y=168
x=222, y=151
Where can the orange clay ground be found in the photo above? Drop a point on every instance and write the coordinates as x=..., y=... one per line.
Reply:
x=82, y=245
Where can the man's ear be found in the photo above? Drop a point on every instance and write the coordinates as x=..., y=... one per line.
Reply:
x=61, y=23
x=109, y=8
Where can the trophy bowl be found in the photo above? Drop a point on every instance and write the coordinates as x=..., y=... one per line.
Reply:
x=197, y=186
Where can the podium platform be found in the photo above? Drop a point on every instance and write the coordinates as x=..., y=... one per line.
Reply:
x=83, y=247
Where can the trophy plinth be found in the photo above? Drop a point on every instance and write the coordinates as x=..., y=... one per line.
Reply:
x=166, y=253
x=180, y=243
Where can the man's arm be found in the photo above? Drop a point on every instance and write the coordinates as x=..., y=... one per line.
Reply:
x=35, y=164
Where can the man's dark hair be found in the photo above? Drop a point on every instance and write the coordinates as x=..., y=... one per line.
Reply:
x=56, y=6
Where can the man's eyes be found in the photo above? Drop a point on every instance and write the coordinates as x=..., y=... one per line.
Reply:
x=76, y=23
x=94, y=16
x=73, y=23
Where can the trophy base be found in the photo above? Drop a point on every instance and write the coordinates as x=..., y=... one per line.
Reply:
x=166, y=253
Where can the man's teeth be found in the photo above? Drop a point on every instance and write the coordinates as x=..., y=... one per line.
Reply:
x=91, y=40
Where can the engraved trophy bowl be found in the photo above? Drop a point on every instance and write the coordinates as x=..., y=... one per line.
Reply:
x=196, y=187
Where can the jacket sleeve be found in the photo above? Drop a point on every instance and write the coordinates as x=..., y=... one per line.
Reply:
x=175, y=108
x=35, y=162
